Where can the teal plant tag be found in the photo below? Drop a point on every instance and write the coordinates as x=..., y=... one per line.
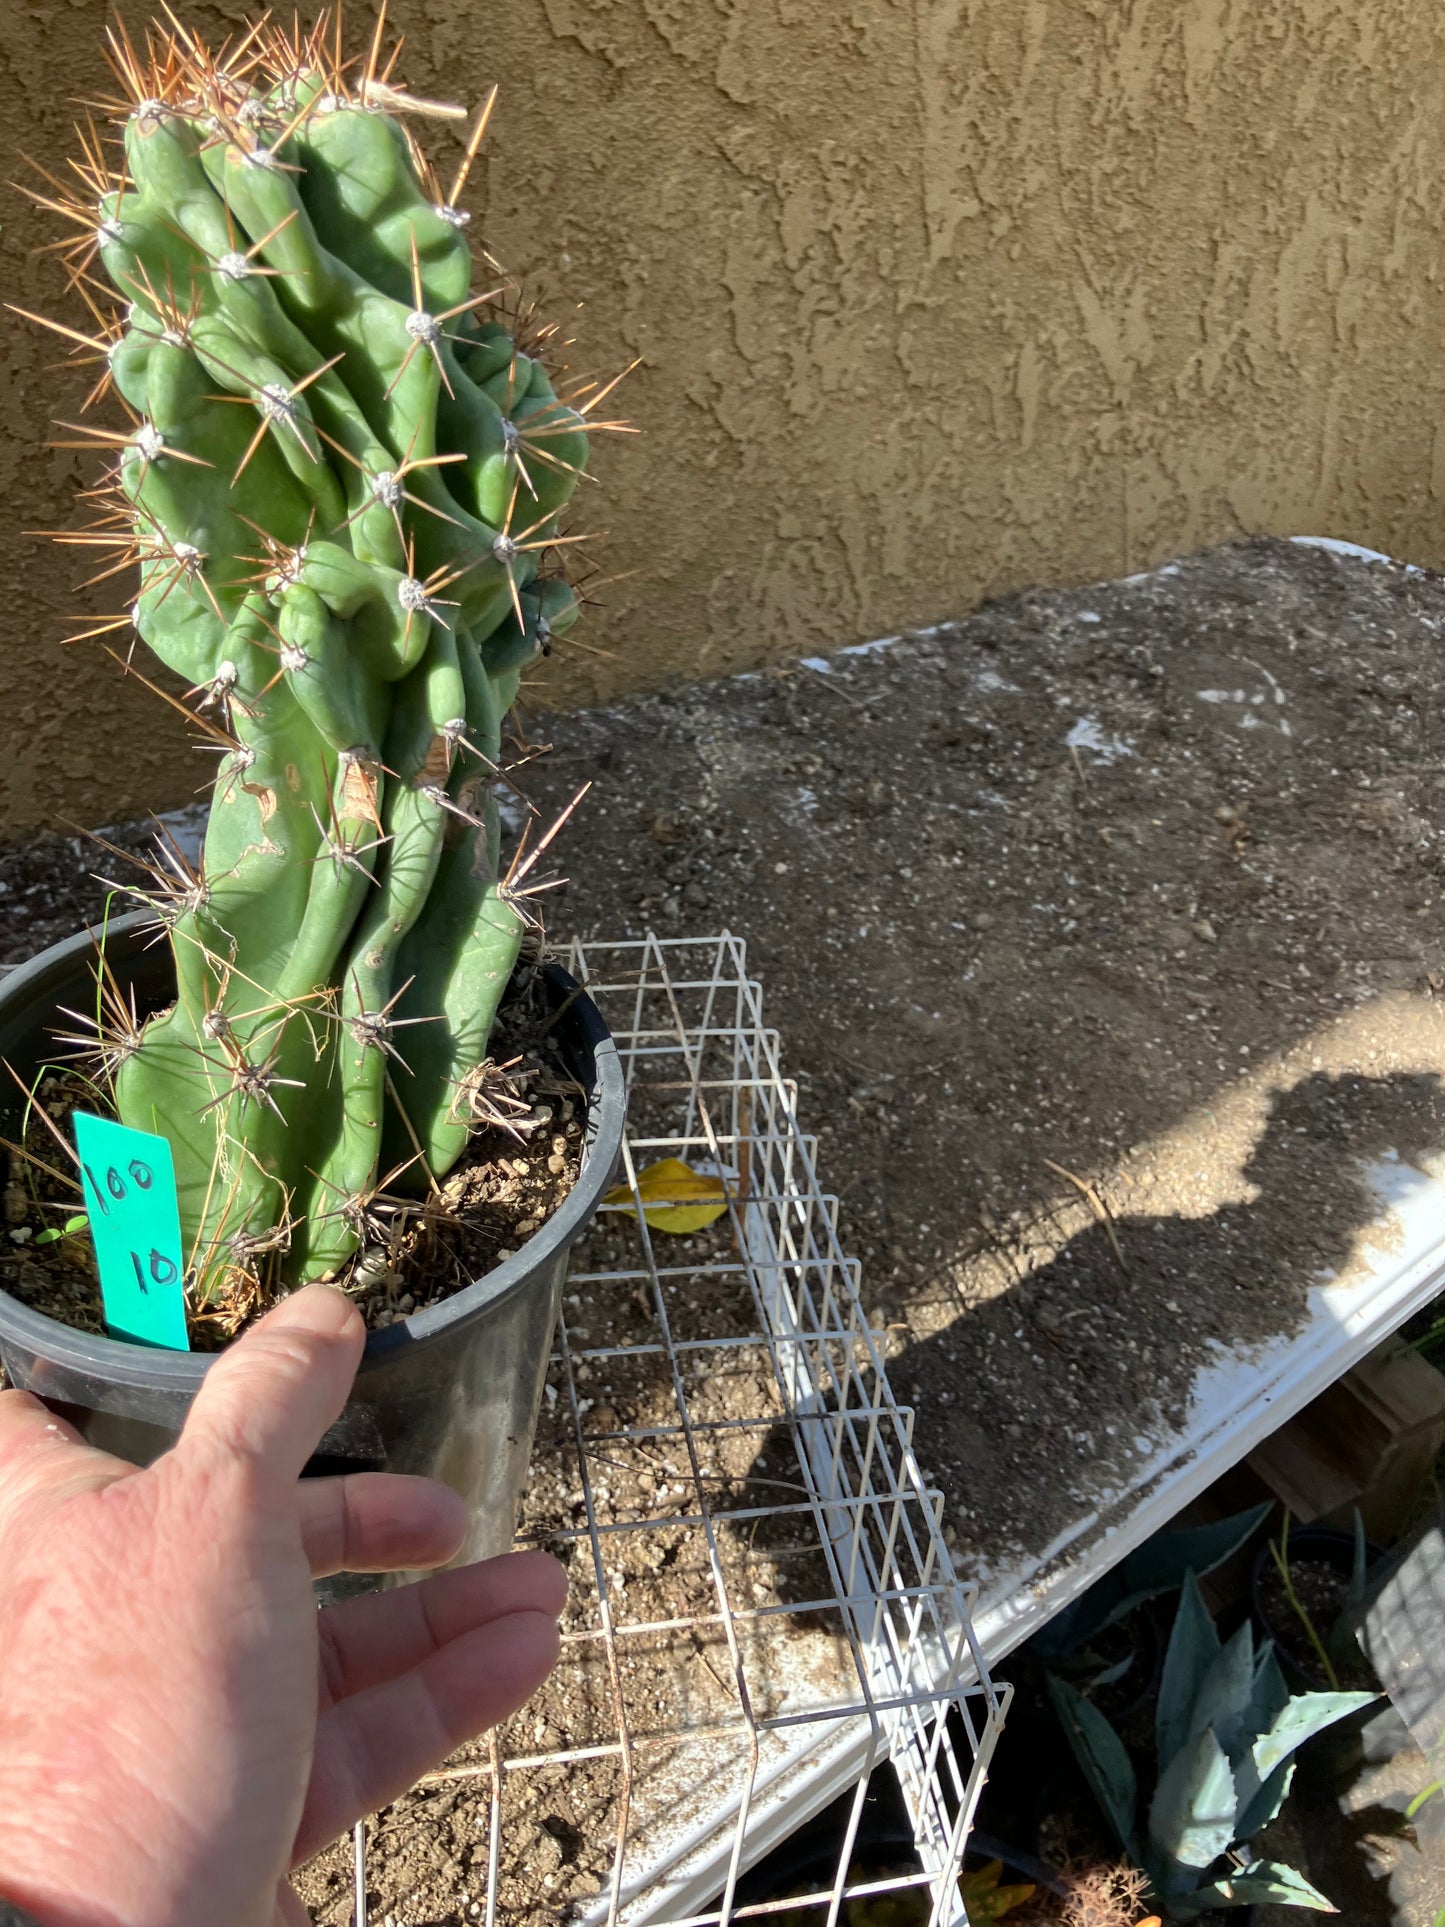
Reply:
x=129, y=1179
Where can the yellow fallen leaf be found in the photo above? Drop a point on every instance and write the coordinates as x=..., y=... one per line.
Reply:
x=674, y=1197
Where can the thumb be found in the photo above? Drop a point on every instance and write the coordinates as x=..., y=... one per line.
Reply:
x=272, y=1394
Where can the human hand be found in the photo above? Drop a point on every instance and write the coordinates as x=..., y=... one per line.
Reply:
x=179, y=1726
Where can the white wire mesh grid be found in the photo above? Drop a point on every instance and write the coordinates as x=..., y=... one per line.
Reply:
x=733, y=1659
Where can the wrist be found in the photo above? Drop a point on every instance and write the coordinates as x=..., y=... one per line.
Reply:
x=50, y=1876
x=13, y=1915
x=46, y=1909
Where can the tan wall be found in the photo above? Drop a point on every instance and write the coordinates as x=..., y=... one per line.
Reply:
x=937, y=297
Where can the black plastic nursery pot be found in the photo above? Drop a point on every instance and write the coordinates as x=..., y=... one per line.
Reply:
x=453, y=1391
x=1308, y=1545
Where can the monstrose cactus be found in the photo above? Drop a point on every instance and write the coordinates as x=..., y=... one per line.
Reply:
x=341, y=481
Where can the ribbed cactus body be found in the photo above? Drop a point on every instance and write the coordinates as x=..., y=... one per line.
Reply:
x=342, y=477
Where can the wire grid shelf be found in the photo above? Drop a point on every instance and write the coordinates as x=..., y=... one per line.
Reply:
x=762, y=1608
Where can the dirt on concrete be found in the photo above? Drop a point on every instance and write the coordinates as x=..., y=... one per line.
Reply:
x=1103, y=933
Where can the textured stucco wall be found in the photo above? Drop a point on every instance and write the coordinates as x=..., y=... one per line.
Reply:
x=936, y=297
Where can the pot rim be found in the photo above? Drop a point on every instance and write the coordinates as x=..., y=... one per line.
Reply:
x=143, y=1366
x=1314, y=1544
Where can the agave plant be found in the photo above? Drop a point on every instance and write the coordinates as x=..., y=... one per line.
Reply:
x=1226, y=1732
x=339, y=475
x=1160, y=1565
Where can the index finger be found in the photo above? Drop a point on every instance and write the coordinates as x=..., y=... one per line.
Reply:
x=271, y=1396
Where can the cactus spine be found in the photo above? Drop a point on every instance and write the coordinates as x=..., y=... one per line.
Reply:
x=341, y=481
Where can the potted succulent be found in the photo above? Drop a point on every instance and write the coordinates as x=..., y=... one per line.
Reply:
x=1108, y=1645
x=1107, y=1642
x=335, y=486
x=1226, y=1731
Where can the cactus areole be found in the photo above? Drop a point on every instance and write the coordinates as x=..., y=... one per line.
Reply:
x=340, y=482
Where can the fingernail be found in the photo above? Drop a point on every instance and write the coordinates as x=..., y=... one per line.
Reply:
x=319, y=1308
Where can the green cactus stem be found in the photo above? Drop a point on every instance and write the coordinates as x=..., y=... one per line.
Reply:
x=341, y=480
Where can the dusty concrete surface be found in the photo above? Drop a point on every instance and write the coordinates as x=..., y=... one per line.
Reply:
x=936, y=298
x=1134, y=889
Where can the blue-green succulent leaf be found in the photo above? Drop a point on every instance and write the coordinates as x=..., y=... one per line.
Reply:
x=1191, y=1817
x=1261, y=1883
x=1193, y=1648
x=1101, y=1757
